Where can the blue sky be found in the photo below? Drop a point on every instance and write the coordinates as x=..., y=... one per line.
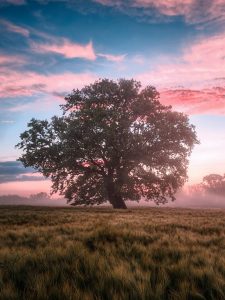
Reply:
x=47, y=48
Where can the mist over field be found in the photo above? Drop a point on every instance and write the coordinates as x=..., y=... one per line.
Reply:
x=183, y=199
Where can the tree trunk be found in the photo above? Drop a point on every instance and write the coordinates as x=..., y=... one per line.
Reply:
x=114, y=196
x=117, y=202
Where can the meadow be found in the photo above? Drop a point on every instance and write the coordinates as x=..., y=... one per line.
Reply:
x=100, y=253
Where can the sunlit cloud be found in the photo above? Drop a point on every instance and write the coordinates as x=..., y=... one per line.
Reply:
x=211, y=100
x=71, y=50
x=66, y=48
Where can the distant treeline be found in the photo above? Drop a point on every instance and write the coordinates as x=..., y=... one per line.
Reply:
x=31, y=200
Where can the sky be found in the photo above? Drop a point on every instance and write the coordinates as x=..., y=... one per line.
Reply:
x=48, y=48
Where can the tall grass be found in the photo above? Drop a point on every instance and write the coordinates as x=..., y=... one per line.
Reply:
x=152, y=253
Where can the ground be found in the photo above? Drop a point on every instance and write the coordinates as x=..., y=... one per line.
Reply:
x=140, y=253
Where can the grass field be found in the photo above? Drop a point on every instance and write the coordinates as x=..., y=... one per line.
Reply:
x=147, y=253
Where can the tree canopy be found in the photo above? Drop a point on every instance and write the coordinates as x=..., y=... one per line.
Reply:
x=114, y=142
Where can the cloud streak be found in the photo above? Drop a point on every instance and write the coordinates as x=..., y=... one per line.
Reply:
x=113, y=58
x=15, y=28
x=193, y=11
x=12, y=84
x=14, y=171
x=6, y=122
x=11, y=59
x=13, y=2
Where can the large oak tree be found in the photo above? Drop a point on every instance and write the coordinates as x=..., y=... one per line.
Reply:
x=114, y=142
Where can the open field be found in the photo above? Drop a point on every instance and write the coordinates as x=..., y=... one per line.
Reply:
x=147, y=253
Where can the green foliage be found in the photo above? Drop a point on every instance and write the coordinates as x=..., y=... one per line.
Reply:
x=115, y=141
x=148, y=253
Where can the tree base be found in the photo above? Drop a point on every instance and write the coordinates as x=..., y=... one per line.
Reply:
x=119, y=204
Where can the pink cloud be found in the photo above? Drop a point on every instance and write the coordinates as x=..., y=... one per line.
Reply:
x=201, y=64
x=66, y=48
x=114, y=58
x=70, y=49
x=15, y=28
x=193, y=11
x=194, y=82
x=12, y=84
x=211, y=100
